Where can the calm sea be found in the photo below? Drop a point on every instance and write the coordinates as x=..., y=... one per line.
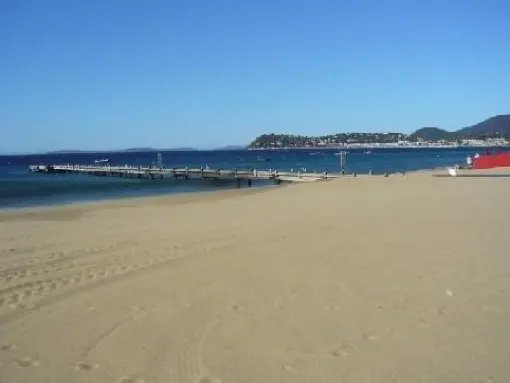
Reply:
x=18, y=188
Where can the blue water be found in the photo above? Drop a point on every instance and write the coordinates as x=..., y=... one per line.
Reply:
x=19, y=188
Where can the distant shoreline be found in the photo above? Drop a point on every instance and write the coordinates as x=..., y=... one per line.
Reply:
x=346, y=147
x=381, y=146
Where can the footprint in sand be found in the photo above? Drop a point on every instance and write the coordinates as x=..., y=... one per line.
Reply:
x=130, y=379
x=14, y=299
x=204, y=379
x=139, y=308
x=370, y=337
x=26, y=305
x=236, y=307
x=7, y=347
x=86, y=367
x=342, y=352
x=289, y=368
x=27, y=362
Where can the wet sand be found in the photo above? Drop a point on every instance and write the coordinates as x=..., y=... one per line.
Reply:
x=368, y=279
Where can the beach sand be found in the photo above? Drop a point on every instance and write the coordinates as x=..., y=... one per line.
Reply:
x=362, y=280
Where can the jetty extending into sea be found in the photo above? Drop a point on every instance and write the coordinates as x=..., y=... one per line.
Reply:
x=186, y=173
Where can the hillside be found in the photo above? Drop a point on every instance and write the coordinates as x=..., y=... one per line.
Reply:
x=494, y=126
x=432, y=134
x=497, y=126
x=298, y=141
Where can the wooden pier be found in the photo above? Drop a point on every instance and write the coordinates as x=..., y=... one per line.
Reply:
x=152, y=172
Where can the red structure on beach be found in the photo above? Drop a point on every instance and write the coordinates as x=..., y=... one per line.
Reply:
x=492, y=160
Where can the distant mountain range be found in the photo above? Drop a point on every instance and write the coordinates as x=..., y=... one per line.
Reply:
x=142, y=149
x=183, y=149
x=497, y=126
x=128, y=150
x=67, y=151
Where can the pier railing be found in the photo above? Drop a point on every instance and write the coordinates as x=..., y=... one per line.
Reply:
x=183, y=173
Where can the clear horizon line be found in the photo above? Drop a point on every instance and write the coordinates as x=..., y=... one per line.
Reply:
x=133, y=149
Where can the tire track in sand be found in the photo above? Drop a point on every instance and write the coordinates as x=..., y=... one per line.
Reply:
x=61, y=265
x=10, y=267
x=19, y=300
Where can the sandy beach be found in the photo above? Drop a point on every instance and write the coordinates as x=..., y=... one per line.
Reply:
x=362, y=280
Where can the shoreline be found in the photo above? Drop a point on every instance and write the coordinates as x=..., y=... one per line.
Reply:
x=214, y=194
x=183, y=197
x=119, y=202
x=126, y=198
x=375, y=146
x=192, y=195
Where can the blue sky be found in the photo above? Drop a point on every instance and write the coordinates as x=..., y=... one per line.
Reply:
x=108, y=74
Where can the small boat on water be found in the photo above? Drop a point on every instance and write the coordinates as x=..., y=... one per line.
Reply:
x=100, y=161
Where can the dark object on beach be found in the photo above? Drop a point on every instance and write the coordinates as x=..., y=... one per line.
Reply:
x=386, y=174
x=354, y=174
